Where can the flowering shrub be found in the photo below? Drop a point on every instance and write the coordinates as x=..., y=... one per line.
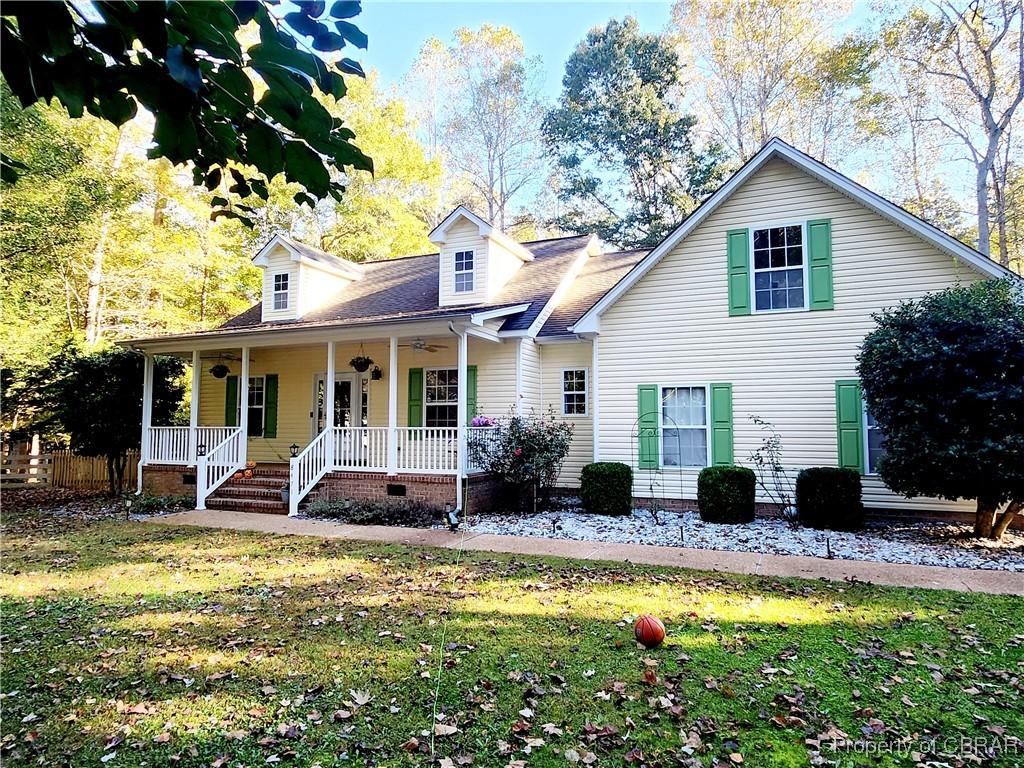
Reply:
x=483, y=421
x=526, y=455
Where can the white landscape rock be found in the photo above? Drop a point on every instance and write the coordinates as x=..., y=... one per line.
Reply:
x=918, y=543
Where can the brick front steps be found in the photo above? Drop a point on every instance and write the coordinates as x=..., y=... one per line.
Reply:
x=259, y=493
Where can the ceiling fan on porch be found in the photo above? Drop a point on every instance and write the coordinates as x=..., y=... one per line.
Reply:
x=420, y=345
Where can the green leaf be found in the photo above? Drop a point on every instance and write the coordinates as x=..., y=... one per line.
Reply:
x=328, y=41
x=345, y=9
x=263, y=149
x=352, y=33
x=307, y=168
x=183, y=68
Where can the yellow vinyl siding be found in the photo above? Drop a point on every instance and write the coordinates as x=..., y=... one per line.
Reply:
x=279, y=262
x=673, y=326
x=556, y=358
x=529, y=377
x=297, y=368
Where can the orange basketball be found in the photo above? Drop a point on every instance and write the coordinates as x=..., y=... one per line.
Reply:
x=649, y=631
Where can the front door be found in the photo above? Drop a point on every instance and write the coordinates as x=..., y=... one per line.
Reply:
x=351, y=401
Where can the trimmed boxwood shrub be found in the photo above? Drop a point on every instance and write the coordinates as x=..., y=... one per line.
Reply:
x=726, y=494
x=606, y=488
x=829, y=497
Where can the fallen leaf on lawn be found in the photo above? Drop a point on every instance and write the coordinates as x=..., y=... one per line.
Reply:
x=162, y=738
x=442, y=729
x=736, y=757
x=360, y=698
x=572, y=755
x=551, y=729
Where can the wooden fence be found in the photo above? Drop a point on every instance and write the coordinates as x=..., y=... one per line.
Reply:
x=63, y=469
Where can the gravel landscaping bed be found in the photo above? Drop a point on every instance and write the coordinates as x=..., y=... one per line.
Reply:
x=923, y=543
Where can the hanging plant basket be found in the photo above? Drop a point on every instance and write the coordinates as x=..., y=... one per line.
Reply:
x=360, y=363
x=219, y=371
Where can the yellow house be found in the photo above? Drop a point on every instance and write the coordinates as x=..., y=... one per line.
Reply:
x=754, y=307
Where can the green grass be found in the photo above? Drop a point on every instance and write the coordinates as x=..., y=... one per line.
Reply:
x=192, y=647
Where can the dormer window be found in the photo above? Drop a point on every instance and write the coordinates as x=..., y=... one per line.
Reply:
x=281, y=291
x=463, y=271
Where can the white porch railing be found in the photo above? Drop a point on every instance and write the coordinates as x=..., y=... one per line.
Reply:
x=428, y=450
x=306, y=469
x=174, y=445
x=218, y=464
x=361, y=448
x=480, y=441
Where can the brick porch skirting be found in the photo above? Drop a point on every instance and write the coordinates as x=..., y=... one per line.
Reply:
x=169, y=480
x=436, y=490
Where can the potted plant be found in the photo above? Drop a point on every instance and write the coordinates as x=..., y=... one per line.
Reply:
x=361, y=363
x=285, y=493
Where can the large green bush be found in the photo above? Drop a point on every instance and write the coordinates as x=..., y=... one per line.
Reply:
x=726, y=494
x=944, y=379
x=829, y=497
x=606, y=488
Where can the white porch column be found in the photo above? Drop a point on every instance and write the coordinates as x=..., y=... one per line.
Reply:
x=147, y=413
x=243, y=404
x=393, y=406
x=595, y=395
x=463, y=411
x=193, y=411
x=329, y=405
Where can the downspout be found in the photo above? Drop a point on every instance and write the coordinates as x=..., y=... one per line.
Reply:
x=462, y=414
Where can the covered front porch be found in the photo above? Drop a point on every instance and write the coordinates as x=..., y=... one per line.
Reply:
x=405, y=412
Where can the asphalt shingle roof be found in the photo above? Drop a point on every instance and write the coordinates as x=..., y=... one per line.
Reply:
x=599, y=275
x=407, y=288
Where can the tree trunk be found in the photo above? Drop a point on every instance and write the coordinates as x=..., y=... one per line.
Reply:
x=1006, y=517
x=111, y=475
x=984, y=244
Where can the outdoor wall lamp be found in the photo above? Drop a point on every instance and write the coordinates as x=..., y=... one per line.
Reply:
x=294, y=450
x=201, y=449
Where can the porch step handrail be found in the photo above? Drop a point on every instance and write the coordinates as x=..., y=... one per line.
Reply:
x=307, y=469
x=218, y=465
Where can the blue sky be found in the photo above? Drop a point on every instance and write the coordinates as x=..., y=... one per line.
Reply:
x=550, y=30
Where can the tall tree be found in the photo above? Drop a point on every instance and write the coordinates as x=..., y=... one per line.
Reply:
x=490, y=114
x=185, y=64
x=628, y=167
x=769, y=68
x=968, y=58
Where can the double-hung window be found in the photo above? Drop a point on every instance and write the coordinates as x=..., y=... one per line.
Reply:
x=257, y=405
x=463, y=271
x=574, y=392
x=684, y=426
x=281, y=291
x=441, y=397
x=874, y=443
x=779, y=268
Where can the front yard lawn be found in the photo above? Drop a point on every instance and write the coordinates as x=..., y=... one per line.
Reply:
x=134, y=644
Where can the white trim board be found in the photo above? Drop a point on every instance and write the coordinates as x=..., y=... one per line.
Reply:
x=590, y=322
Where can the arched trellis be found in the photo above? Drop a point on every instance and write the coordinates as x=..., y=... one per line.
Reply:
x=654, y=479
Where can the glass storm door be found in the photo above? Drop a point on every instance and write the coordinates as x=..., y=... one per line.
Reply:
x=350, y=401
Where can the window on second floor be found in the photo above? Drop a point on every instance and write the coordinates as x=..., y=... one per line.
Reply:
x=463, y=271
x=281, y=291
x=779, y=268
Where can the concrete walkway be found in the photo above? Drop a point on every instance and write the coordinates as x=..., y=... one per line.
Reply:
x=931, y=577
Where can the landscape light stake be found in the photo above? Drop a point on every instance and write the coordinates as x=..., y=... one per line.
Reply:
x=828, y=547
x=682, y=536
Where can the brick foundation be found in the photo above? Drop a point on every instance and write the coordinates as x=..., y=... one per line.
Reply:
x=169, y=480
x=435, y=490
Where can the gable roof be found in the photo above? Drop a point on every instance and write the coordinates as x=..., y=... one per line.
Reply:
x=302, y=252
x=777, y=148
x=407, y=289
x=439, y=234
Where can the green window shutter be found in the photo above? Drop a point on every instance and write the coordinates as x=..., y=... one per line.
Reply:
x=721, y=424
x=647, y=425
x=231, y=402
x=819, y=260
x=470, y=392
x=738, y=257
x=270, y=405
x=850, y=424
x=415, y=397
